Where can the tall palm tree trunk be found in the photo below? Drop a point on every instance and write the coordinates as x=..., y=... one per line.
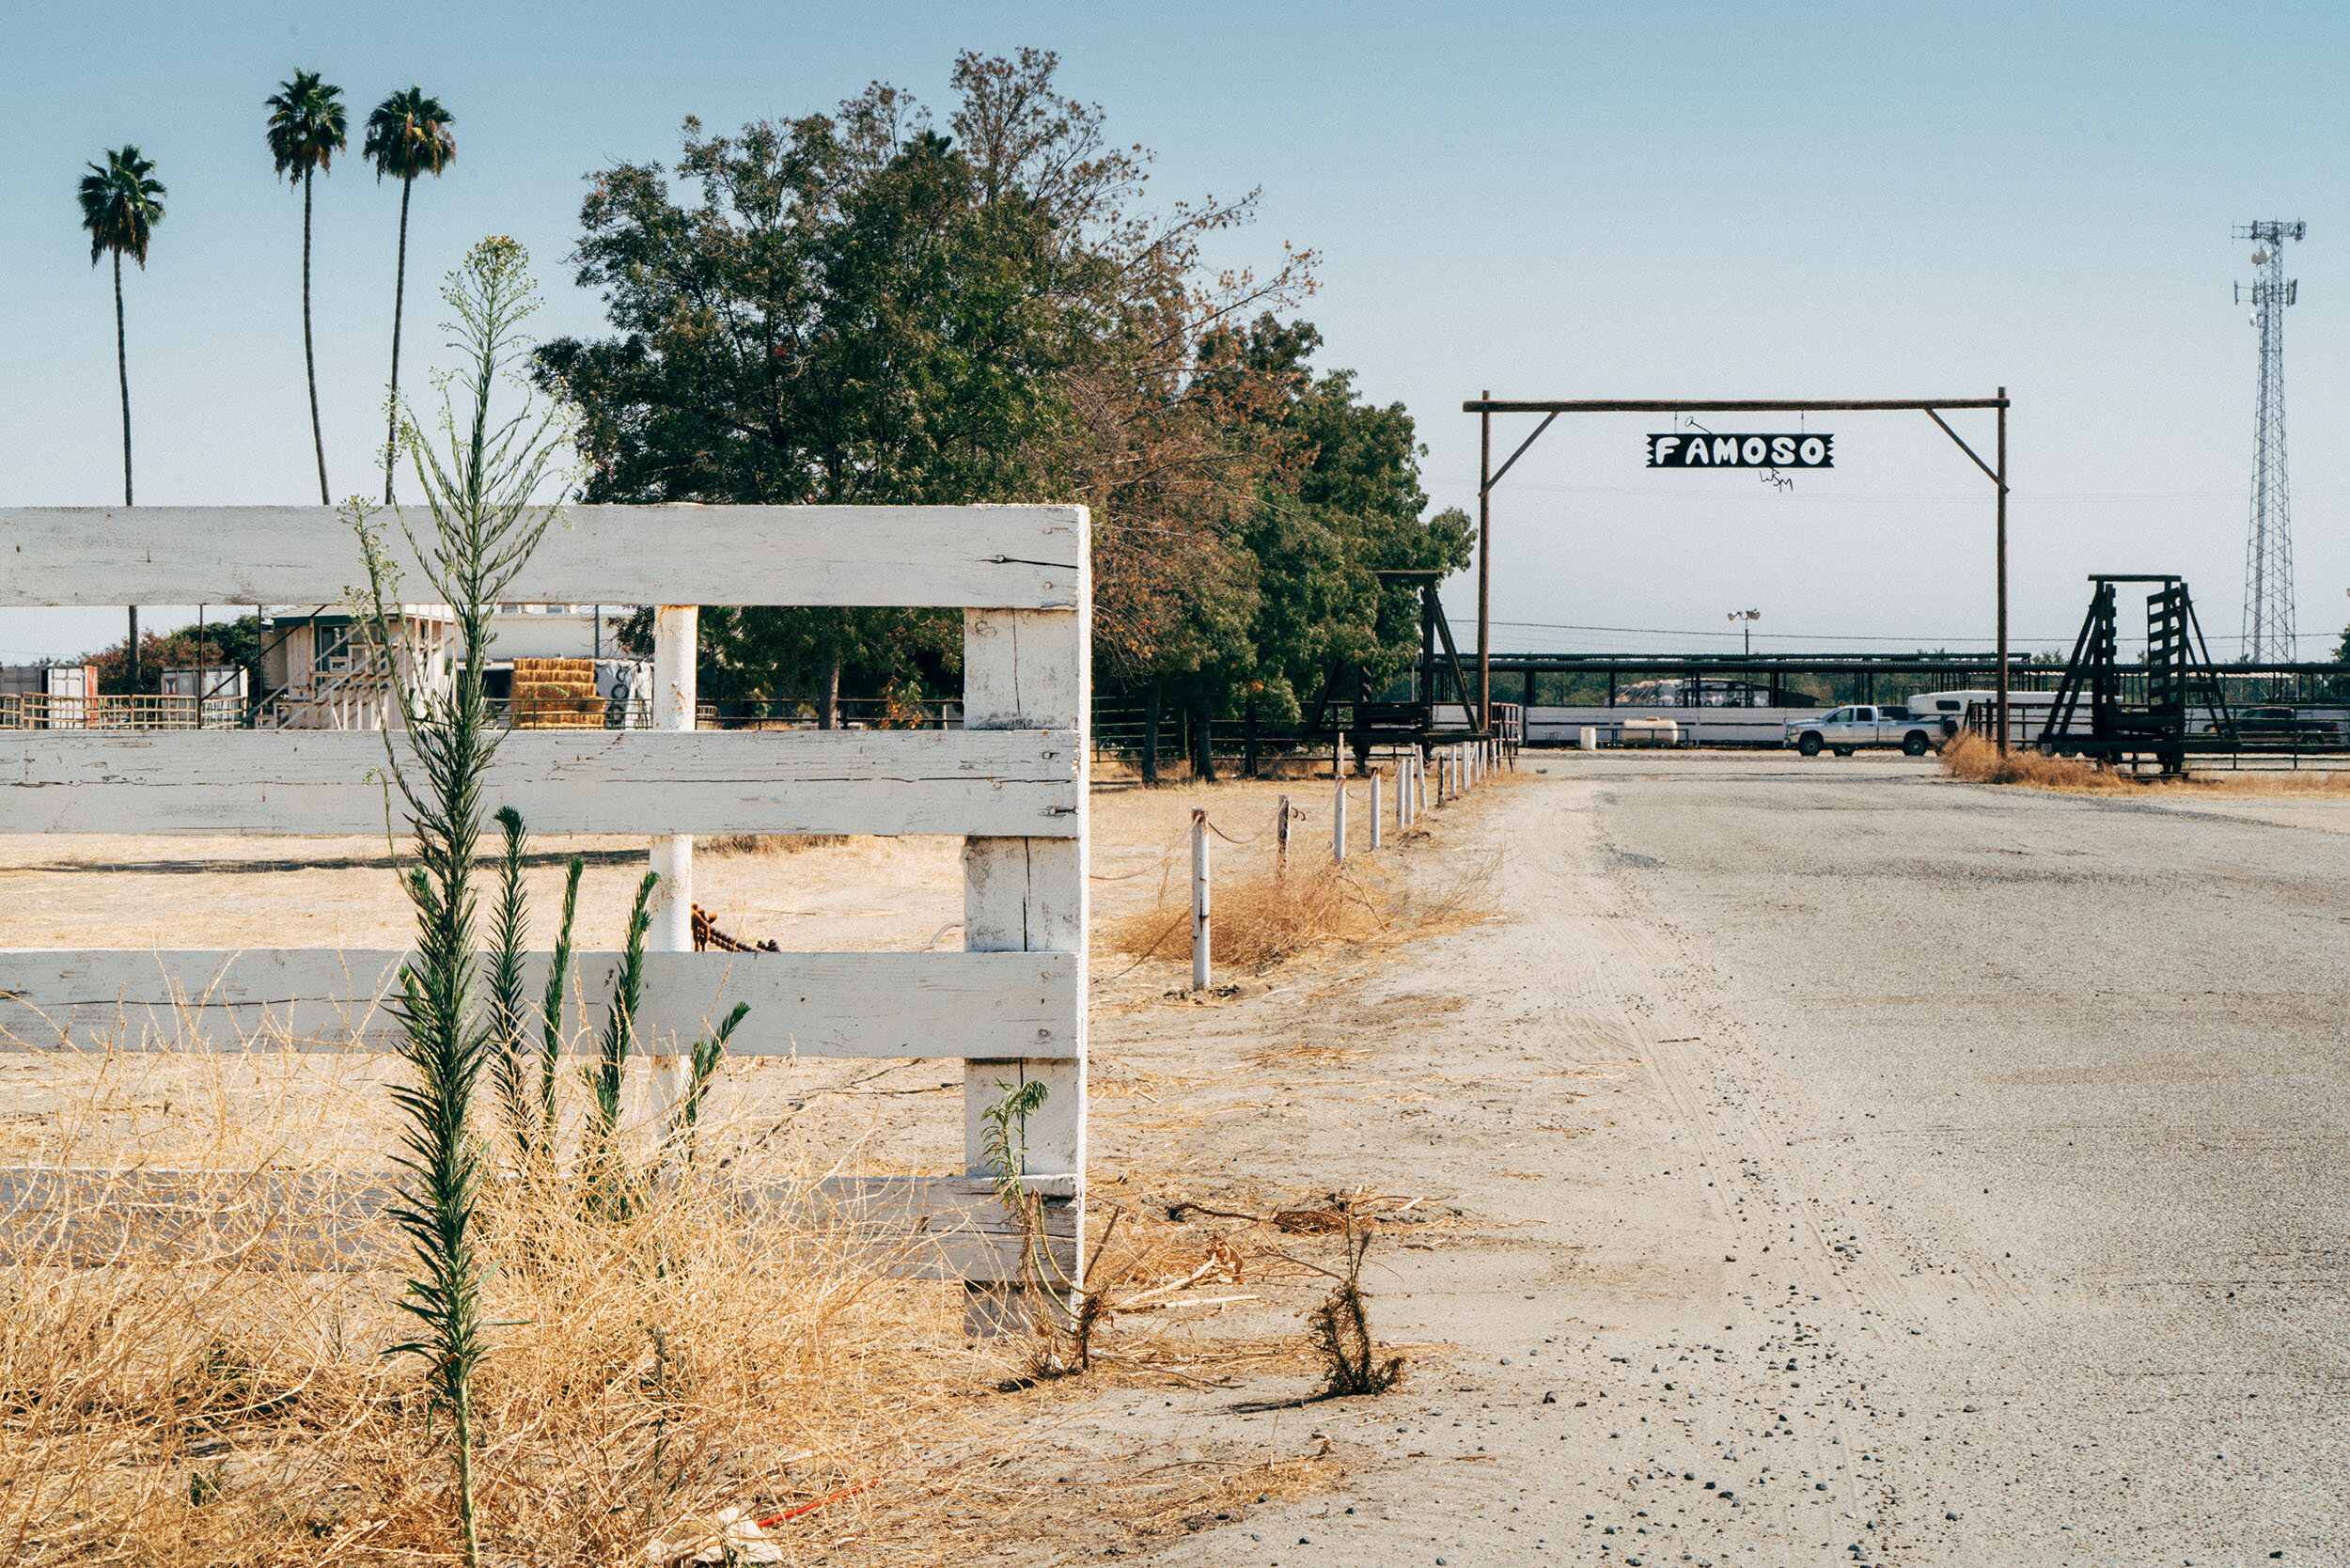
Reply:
x=399, y=293
x=309, y=356
x=122, y=373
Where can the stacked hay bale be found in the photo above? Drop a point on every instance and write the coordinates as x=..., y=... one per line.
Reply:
x=556, y=694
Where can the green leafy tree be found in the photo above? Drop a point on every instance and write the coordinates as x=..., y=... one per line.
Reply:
x=121, y=204
x=224, y=645
x=305, y=130
x=855, y=308
x=1339, y=501
x=408, y=134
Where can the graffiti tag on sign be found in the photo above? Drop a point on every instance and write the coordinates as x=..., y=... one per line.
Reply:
x=1701, y=450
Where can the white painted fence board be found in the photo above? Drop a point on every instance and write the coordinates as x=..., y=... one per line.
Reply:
x=1024, y=671
x=297, y=781
x=902, y=1005
x=934, y=1227
x=1029, y=558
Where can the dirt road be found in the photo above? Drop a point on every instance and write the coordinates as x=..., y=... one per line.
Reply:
x=1854, y=1167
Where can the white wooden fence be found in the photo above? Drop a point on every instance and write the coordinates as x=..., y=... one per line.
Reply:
x=1012, y=782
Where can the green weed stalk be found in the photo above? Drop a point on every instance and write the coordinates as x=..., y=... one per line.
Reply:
x=551, y=1009
x=610, y=1188
x=509, y=937
x=483, y=527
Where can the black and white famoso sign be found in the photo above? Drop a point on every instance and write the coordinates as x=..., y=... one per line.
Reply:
x=1697, y=450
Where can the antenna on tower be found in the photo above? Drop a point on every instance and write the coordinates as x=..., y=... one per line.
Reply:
x=2269, y=548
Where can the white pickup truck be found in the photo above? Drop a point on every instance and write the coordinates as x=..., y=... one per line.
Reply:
x=1844, y=730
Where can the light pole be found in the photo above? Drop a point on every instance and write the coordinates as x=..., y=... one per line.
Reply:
x=1749, y=617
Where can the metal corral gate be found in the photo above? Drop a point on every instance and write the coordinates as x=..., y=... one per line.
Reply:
x=1012, y=782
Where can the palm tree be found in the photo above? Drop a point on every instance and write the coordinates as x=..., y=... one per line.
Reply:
x=407, y=135
x=121, y=204
x=305, y=130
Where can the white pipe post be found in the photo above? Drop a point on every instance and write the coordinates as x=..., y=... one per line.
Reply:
x=1374, y=807
x=1338, y=821
x=676, y=634
x=1199, y=898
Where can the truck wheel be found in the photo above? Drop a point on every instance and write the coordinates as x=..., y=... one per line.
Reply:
x=1843, y=751
x=1809, y=746
x=1914, y=743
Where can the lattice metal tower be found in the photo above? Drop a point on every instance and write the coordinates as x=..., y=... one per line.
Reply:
x=2268, y=549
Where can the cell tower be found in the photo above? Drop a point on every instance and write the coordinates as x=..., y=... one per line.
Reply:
x=2268, y=549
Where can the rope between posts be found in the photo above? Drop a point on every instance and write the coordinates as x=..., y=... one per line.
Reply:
x=1253, y=836
x=1166, y=860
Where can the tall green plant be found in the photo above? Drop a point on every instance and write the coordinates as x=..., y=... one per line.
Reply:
x=610, y=1185
x=551, y=1008
x=121, y=204
x=479, y=487
x=408, y=134
x=509, y=937
x=685, y=1118
x=526, y=1108
x=306, y=127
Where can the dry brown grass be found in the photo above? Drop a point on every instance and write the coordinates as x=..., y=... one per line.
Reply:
x=193, y=1368
x=770, y=843
x=1978, y=761
x=222, y=1393
x=1262, y=916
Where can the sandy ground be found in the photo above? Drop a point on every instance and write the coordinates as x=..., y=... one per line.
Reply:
x=1814, y=1162
x=1871, y=1168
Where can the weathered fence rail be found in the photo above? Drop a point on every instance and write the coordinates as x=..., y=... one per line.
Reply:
x=1012, y=783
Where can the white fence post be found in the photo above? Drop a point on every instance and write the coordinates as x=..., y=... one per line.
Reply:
x=675, y=646
x=1030, y=669
x=1374, y=809
x=1337, y=820
x=1200, y=898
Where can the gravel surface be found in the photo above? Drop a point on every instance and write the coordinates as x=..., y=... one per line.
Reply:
x=1855, y=1167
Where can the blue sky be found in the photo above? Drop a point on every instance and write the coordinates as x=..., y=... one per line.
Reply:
x=1556, y=201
